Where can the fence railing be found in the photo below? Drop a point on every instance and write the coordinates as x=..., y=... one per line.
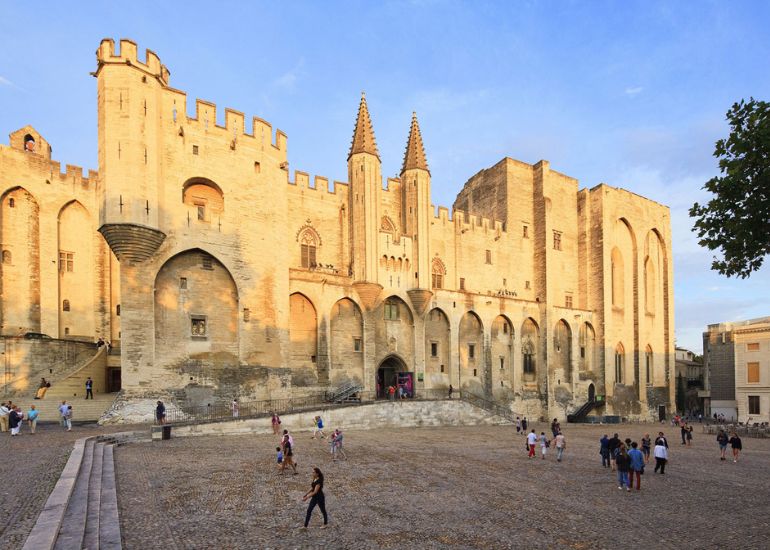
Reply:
x=247, y=409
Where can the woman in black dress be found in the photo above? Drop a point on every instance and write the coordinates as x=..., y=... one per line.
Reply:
x=316, y=496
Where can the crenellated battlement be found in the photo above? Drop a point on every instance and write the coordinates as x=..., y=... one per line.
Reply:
x=72, y=174
x=320, y=184
x=128, y=54
x=468, y=222
x=176, y=110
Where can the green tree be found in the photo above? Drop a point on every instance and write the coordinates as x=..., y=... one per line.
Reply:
x=736, y=220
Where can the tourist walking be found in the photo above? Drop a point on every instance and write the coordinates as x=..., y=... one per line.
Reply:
x=637, y=466
x=318, y=427
x=661, y=440
x=544, y=444
x=317, y=498
x=683, y=430
x=42, y=388
x=531, y=442
x=276, y=422
x=32, y=415
x=68, y=418
x=518, y=425
x=63, y=414
x=560, y=443
x=623, y=465
x=279, y=457
x=15, y=418
x=287, y=445
x=604, y=450
x=722, y=440
x=661, y=455
x=524, y=424
x=4, y=412
x=735, y=443
x=451, y=389
x=336, y=444
x=235, y=408
x=613, y=446
x=391, y=393
x=646, y=445
x=688, y=436
x=89, y=388
x=160, y=413
x=555, y=427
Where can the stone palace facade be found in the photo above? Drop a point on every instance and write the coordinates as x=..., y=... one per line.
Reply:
x=222, y=275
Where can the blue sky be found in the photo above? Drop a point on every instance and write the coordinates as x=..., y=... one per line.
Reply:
x=632, y=94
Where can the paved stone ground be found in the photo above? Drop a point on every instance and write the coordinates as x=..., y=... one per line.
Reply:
x=31, y=465
x=439, y=488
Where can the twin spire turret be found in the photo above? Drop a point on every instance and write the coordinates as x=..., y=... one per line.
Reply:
x=364, y=141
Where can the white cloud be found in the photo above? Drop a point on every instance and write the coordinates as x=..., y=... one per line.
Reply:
x=287, y=82
x=631, y=92
x=5, y=82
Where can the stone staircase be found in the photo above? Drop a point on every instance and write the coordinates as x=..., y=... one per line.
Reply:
x=82, y=510
x=83, y=410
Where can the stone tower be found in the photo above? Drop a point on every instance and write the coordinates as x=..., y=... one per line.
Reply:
x=365, y=177
x=128, y=104
x=416, y=213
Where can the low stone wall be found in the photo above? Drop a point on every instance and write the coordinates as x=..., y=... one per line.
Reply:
x=381, y=414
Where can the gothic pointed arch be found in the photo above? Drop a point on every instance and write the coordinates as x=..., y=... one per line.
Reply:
x=530, y=344
x=562, y=347
x=346, y=343
x=77, y=246
x=438, y=273
x=471, y=348
x=437, y=352
x=303, y=334
x=20, y=270
x=309, y=241
x=196, y=312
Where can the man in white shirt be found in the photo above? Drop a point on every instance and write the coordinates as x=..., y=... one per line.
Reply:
x=63, y=413
x=531, y=442
x=4, y=412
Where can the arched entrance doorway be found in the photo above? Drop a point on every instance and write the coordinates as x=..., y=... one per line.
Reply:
x=392, y=372
x=591, y=392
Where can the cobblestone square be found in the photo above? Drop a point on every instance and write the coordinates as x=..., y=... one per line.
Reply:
x=439, y=488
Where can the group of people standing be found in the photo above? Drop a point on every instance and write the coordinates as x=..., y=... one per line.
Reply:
x=735, y=442
x=559, y=441
x=12, y=418
x=629, y=458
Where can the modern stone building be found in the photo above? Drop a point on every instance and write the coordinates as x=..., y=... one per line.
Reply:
x=737, y=363
x=222, y=274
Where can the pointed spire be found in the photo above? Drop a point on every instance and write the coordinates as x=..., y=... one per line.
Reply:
x=363, y=135
x=414, y=157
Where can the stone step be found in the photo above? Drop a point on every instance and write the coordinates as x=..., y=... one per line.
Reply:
x=82, y=409
x=73, y=524
x=91, y=538
x=109, y=522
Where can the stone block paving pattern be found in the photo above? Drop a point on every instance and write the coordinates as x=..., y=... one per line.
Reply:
x=31, y=465
x=453, y=487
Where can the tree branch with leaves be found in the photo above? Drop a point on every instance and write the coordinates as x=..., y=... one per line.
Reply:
x=736, y=221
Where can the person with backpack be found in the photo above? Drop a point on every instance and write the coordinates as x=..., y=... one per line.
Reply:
x=722, y=440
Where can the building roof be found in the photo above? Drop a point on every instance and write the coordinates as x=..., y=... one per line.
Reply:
x=414, y=156
x=363, y=135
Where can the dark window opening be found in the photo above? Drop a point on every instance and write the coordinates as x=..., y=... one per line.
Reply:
x=183, y=283
x=471, y=351
x=434, y=349
x=65, y=305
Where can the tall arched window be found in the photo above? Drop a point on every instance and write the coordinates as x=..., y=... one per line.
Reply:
x=648, y=365
x=529, y=345
x=620, y=363
x=649, y=285
x=437, y=274
x=617, y=278
x=308, y=244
